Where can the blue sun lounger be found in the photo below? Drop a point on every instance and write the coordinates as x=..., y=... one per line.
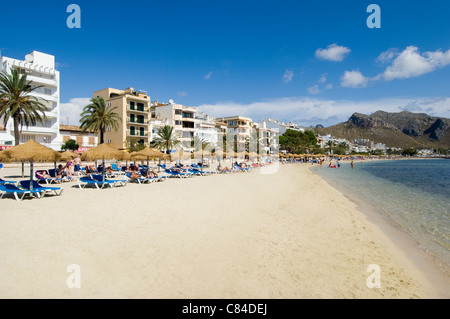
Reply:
x=114, y=182
x=12, y=189
x=174, y=173
x=2, y=182
x=36, y=186
x=89, y=181
x=140, y=180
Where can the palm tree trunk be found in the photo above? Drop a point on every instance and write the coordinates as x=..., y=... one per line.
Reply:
x=16, y=130
x=102, y=137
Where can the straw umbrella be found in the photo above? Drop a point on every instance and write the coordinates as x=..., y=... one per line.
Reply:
x=102, y=151
x=201, y=153
x=147, y=153
x=68, y=155
x=30, y=151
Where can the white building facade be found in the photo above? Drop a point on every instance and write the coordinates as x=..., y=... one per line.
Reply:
x=40, y=70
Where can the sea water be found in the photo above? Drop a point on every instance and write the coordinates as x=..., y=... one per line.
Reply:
x=413, y=194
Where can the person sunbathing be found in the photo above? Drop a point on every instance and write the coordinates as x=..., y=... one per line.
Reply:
x=223, y=169
x=43, y=174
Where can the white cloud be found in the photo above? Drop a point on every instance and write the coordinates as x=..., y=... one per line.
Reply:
x=182, y=93
x=387, y=56
x=314, y=89
x=354, y=79
x=333, y=52
x=410, y=63
x=323, y=78
x=288, y=75
x=313, y=111
x=329, y=86
x=208, y=75
x=70, y=112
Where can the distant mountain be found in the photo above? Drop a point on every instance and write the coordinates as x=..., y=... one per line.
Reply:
x=404, y=129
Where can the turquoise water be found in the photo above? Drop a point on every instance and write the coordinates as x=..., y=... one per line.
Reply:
x=414, y=194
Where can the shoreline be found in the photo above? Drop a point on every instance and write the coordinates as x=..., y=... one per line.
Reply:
x=233, y=236
x=403, y=243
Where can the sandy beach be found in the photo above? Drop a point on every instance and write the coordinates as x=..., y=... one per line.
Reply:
x=245, y=235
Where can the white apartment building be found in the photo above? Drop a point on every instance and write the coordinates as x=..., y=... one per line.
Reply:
x=40, y=69
x=206, y=128
x=280, y=126
x=182, y=118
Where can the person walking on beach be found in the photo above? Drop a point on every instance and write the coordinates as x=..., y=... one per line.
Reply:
x=77, y=164
x=352, y=164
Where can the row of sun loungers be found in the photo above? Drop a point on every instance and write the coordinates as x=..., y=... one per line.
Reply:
x=119, y=178
x=23, y=188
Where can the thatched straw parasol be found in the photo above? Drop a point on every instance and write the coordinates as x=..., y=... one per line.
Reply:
x=103, y=151
x=232, y=154
x=68, y=155
x=147, y=153
x=179, y=155
x=253, y=155
x=30, y=151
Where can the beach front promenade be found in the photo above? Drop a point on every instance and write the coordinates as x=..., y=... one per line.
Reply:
x=284, y=235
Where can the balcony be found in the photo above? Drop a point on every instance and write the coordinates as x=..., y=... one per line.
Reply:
x=52, y=98
x=39, y=130
x=136, y=121
x=138, y=109
x=137, y=133
x=42, y=80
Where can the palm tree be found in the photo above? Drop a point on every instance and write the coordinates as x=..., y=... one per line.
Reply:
x=17, y=103
x=166, y=139
x=97, y=117
x=199, y=143
x=330, y=146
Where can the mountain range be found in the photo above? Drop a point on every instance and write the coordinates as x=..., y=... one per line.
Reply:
x=403, y=129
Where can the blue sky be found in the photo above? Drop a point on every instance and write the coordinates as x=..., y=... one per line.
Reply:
x=308, y=61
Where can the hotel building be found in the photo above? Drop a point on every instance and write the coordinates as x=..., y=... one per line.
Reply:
x=133, y=106
x=182, y=118
x=40, y=70
x=239, y=128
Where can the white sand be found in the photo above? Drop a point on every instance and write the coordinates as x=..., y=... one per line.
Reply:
x=287, y=235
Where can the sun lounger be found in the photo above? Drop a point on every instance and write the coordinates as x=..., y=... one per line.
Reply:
x=36, y=186
x=39, y=176
x=12, y=189
x=174, y=173
x=89, y=181
x=115, y=182
x=139, y=180
x=2, y=181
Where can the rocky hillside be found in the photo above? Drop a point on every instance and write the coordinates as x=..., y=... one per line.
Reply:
x=404, y=129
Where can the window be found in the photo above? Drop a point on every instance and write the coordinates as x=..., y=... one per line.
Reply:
x=132, y=130
x=8, y=142
x=178, y=112
x=132, y=118
x=141, y=131
x=141, y=141
x=140, y=107
x=109, y=104
x=108, y=141
x=178, y=123
x=132, y=105
x=109, y=128
x=48, y=91
x=141, y=119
